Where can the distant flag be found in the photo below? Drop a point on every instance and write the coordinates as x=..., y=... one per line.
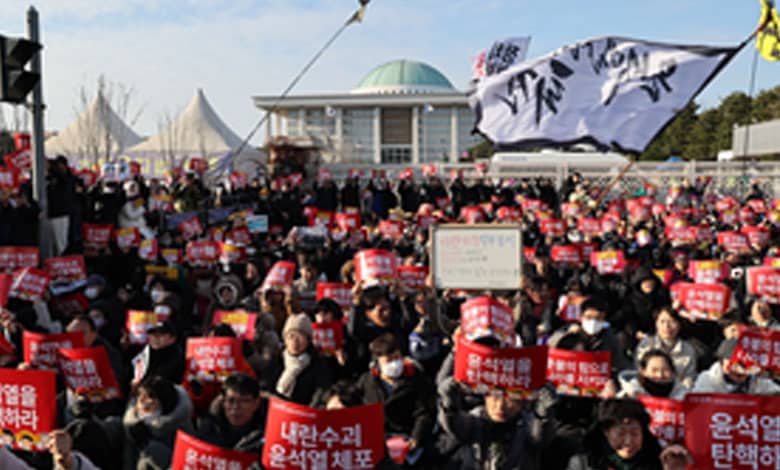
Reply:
x=608, y=92
x=506, y=53
x=478, y=66
x=768, y=38
x=360, y=13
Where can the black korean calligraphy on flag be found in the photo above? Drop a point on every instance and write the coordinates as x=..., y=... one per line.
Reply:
x=611, y=92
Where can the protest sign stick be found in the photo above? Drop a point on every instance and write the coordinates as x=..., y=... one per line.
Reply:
x=612, y=183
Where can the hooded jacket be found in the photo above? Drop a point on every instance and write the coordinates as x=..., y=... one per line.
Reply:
x=162, y=430
x=639, y=307
x=713, y=380
x=597, y=452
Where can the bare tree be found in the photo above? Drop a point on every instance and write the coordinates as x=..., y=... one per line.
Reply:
x=102, y=134
x=170, y=138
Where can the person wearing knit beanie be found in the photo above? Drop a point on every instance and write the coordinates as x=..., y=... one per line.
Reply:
x=298, y=322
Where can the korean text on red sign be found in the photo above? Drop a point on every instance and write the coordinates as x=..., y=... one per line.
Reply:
x=301, y=437
x=578, y=373
x=733, y=431
x=515, y=370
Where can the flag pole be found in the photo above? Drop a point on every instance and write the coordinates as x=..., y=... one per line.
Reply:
x=356, y=17
x=751, y=91
x=614, y=181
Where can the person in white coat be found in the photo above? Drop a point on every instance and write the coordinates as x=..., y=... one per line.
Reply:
x=133, y=210
x=725, y=377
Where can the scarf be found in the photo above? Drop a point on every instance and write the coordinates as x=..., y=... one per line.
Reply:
x=293, y=366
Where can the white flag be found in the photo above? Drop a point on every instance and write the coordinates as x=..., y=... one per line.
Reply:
x=609, y=92
x=501, y=55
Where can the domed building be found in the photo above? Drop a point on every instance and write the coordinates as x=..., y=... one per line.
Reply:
x=402, y=111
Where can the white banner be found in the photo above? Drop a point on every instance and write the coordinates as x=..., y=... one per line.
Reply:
x=501, y=55
x=609, y=92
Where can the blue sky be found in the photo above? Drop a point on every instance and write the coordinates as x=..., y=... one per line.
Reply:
x=233, y=49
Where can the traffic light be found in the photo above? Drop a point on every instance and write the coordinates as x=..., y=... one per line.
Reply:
x=15, y=81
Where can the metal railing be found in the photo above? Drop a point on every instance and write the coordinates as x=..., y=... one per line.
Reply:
x=734, y=178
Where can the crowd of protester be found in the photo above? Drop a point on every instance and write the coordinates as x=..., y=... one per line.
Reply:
x=398, y=343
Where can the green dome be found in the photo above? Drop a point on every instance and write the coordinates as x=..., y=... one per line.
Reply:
x=404, y=76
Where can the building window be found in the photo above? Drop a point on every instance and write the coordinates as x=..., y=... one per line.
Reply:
x=435, y=135
x=396, y=153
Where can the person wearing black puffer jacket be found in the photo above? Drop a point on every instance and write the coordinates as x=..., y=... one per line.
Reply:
x=304, y=376
x=236, y=418
x=646, y=297
x=405, y=391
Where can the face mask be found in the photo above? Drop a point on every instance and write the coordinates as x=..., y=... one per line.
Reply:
x=162, y=310
x=392, y=369
x=656, y=388
x=99, y=322
x=151, y=416
x=91, y=292
x=593, y=327
x=157, y=295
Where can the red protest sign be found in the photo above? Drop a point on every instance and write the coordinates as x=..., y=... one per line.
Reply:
x=732, y=431
x=764, y=281
x=199, y=165
x=88, y=371
x=375, y=265
x=608, y=262
x=148, y=250
x=138, y=323
x=201, y=253
x=29, y=284
x=127, y=238
x=243, y=323
x=553, y=227
x=734, y=242
x=231, y=253
x=413, y=277
x=190, y=453
x=762, y=345
x=571, y=209
x=321, y=218
x=570, y=308
x=96, y=235
x=40, y=349
x=214, y=358
x=392, y=229
x=340, y=292
x=9, y=177
x=504, y=213
x=472, y=214
x=279, y=276
x=708, y=271
x=704, y=301
x=20, y=159
x=589, y=226
x=298, y=437
x=772, y=261
x=328, y=337
x=566, y=255
x=486, y=316
x=578, y=373
x=66, y=269
x=757, y=205
x=172, y=256
x=13, y=258
x=726, y=204
x=239, y=236
x=518, y=371
x=346, y=222
x=190, y=228
x=27, y=408
x=667, y=421
x=756, y=235
x=5, y=288
x=533, y=205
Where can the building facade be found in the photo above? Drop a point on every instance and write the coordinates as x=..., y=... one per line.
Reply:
x=401, y=112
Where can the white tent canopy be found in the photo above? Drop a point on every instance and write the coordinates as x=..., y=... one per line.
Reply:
x=196, y=132
x=98, y=132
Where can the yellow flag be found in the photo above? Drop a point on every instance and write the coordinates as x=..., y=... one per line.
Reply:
x=768, y=39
